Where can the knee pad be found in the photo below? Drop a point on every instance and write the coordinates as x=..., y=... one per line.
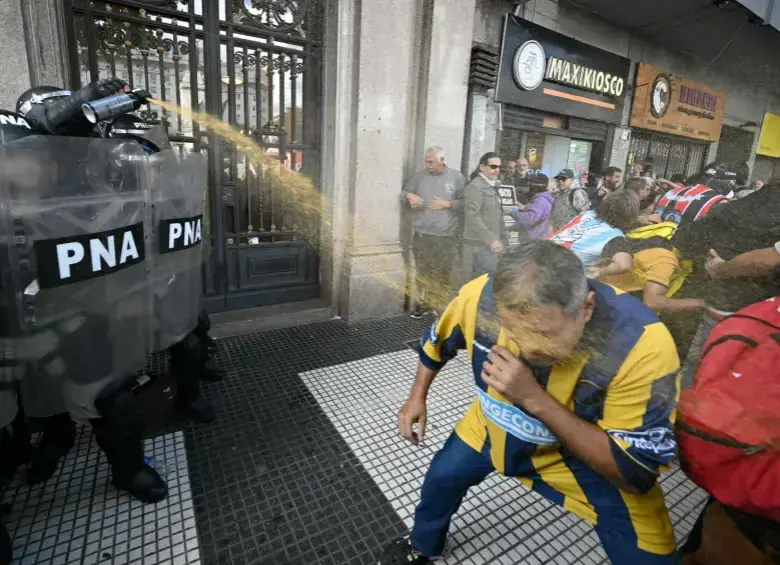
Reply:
x=189, y=351
x=204, y=322
x=116, y=406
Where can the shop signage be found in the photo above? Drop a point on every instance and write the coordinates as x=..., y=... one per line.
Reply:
x=548, y=71
x=583, y=77
x=508, y=206
x=769, y=142
x=670, y=104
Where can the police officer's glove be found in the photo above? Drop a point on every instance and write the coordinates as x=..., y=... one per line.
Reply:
x=65, y=116
x=143, y=96
x=103, y=89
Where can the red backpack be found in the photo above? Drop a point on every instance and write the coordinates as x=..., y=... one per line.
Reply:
x=728, y=422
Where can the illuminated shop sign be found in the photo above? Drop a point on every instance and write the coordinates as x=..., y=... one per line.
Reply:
x=548, y=71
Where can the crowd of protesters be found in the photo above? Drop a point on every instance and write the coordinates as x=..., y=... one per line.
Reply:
x=578, y=380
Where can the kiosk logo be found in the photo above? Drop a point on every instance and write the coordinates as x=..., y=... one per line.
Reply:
x=661, y=96
x=530, y=65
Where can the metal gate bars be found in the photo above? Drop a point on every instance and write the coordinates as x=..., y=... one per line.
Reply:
x=254, y=64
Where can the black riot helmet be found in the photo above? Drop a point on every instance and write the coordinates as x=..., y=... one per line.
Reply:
x=152, y=136
x=39, y=95
x=14, y=126
x=719, y=177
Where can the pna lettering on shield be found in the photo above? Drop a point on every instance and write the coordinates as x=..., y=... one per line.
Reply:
x=102, y=253
x=180, y=233
x=68, y=260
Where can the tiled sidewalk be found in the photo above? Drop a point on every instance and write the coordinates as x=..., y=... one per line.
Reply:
x=303, y=467
x=500, y=520
x=78, y=518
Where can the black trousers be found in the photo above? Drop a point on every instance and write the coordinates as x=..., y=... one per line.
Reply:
x=434, y=257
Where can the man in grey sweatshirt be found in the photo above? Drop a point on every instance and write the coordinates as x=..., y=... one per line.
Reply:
x=435, y=199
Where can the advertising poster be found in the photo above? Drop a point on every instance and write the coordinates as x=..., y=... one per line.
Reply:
x=509, y=205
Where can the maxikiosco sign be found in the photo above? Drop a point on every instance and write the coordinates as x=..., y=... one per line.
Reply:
x=548, y=71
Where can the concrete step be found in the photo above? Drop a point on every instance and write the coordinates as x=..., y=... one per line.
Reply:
x=264, y=318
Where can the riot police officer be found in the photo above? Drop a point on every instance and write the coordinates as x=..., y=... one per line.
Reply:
x=85, y=372
x=190, y=356
x=15, y=448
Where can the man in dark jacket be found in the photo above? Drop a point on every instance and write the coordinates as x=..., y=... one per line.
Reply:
x=483, y=233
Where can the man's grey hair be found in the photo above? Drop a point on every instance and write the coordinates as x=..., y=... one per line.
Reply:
x=439, y=152
x=539, y=274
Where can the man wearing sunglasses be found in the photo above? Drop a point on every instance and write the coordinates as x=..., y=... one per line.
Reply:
x=483, y=232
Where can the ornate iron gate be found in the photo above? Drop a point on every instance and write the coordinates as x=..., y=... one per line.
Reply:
x=255, y=64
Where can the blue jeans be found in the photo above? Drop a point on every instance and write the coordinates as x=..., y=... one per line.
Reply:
x=484, y=261
x=694, y=353
x=456, y=468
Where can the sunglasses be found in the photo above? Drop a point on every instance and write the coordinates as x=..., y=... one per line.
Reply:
x=494, y=167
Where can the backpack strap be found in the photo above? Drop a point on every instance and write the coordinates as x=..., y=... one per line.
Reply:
x=746, y=317
x=728, y=337
x=747, y=448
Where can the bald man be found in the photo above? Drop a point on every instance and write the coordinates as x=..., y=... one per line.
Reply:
x=522, y=182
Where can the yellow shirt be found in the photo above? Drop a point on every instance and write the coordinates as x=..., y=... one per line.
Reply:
x=656, y=265
x=625, y=380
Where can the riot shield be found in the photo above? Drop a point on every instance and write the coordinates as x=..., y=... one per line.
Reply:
x=178, y=191
x=80, y=211
x=12, y=334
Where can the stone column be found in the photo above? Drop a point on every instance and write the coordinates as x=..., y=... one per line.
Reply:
x=618, y=147
x=369, y=71
x=712, y=152
x=482, y=127
x=451, y=33
x=44, y=23
x=32, y=50
x=14, y=68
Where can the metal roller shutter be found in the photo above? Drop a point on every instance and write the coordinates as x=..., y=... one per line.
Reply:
x=735, y=145
x=763, y=169
x=526, y=119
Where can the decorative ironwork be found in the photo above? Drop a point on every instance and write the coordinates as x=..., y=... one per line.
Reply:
x=238, y=59
x=264, y=82
x=170, y=4
x=280, y=16
x=112, y=36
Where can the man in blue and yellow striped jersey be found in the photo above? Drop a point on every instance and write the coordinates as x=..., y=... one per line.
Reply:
x=576, y=386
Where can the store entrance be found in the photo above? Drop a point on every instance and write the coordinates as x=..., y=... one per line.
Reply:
x=548, y=154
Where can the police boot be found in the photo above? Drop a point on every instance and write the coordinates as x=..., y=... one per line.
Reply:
x=118, y=436
x=15, y=448
x=212, y=372
x=202, y=331
x=188, y=358
x=58, y=437
x=6, y=552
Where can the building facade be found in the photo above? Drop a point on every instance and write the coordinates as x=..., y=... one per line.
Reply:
x=351, y=92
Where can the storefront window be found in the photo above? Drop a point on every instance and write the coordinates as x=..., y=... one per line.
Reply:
x=579, y=160
x=548, y=154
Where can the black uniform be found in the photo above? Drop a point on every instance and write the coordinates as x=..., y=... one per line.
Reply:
x=53, y=111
